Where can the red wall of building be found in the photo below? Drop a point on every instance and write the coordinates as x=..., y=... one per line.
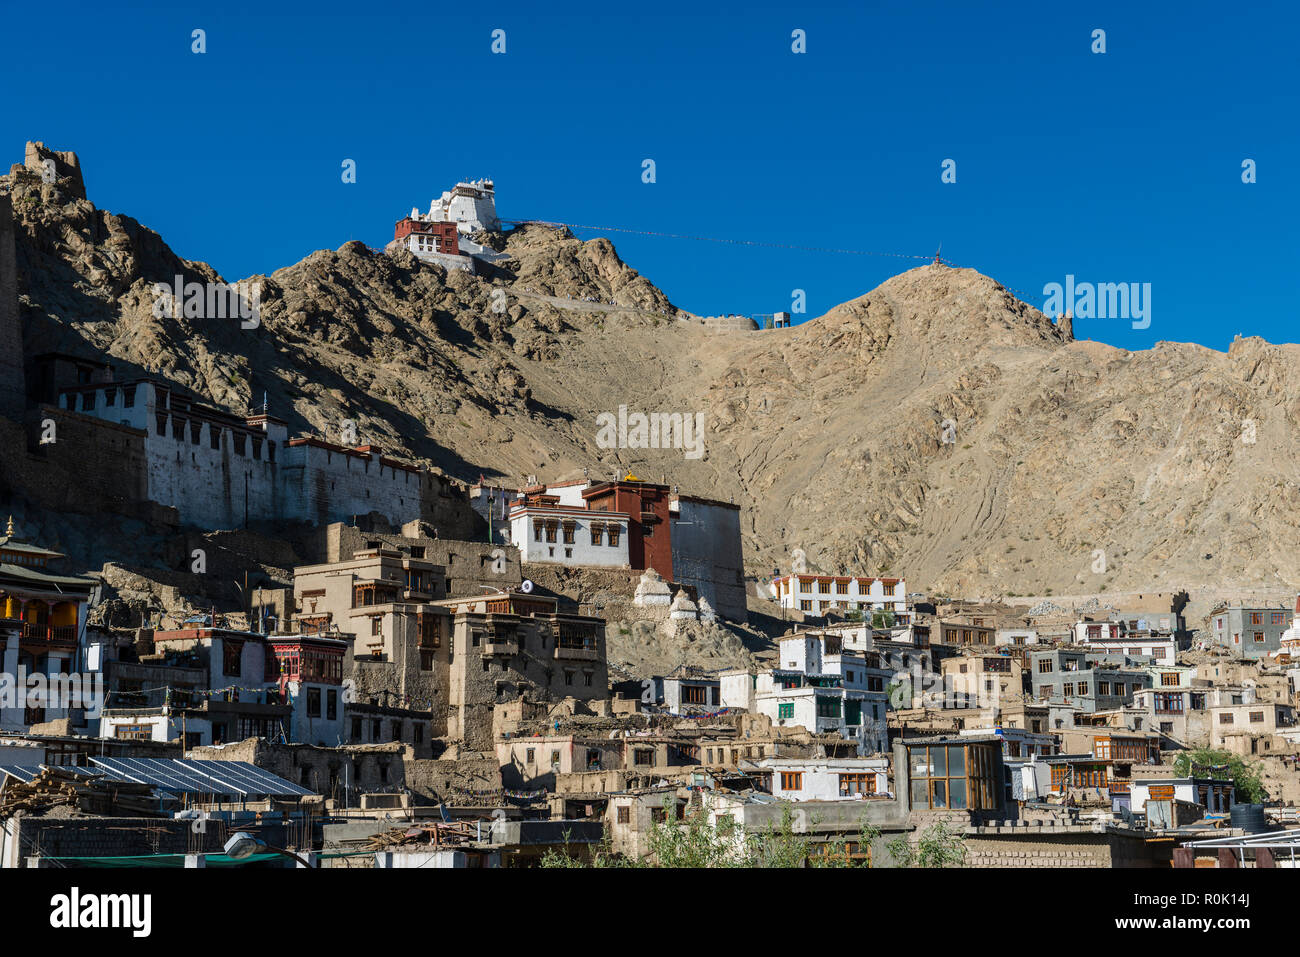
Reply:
x=649, y=539
x=450, y=239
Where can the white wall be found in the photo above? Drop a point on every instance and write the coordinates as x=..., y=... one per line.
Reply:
x=862, y=593
x=581, y=551
x=821, y=781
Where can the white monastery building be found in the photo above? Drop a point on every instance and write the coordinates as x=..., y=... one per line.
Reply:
x=818, y=594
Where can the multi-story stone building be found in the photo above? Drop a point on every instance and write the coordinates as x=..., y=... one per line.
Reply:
x=1250, y=631
x=1111, y=636
x=691, y=541
x=455, y=657
x=507, y=643
x=42, y=628
x=236, y=700
x=817, y=685
x=1073, y=677
x=220, y=470
x=818, y=594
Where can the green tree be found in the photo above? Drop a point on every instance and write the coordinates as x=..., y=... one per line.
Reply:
x=696, y=842
x=938, y=846
x=1204, y=762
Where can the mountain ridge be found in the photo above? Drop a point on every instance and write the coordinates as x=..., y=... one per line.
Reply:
x=935, y=427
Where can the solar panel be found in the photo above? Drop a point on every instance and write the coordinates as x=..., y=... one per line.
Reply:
x=223, y=780
x=181, y=776
x=253, y=779
x=21, y=772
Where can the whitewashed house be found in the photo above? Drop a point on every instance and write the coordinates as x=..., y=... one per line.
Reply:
x=828, y=779
x=818, y=594
x=819, y=687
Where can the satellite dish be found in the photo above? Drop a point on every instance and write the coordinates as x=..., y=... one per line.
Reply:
x=526, y=586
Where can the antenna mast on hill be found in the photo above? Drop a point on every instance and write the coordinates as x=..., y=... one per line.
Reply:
x=937, y=260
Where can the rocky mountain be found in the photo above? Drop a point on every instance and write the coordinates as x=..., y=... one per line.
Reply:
x=936, y=427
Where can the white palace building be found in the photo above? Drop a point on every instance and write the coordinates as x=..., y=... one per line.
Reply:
x=818, y=594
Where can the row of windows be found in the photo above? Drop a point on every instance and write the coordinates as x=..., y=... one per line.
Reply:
x=110, y=399
x=842, y=588
x=377, y=731
x=1257, y=618
x=239, y=440
x=598, y=533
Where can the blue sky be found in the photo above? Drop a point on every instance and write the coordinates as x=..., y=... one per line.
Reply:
x=1115, y=167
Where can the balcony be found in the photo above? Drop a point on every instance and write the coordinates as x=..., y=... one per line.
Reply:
x=500, y=647
x=576, y=654
x=55, y=634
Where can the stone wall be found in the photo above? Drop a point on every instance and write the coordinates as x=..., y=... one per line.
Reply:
x=707, y=554
x=1072, y=846
x=109, y=837
x=455, y=782
x=339, y=773
x=12, y=383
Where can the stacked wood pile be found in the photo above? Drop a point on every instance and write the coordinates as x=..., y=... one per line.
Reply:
x=74, y=788
x=438, y=834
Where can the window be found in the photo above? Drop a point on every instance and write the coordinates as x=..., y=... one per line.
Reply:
x=851, y=784
x=332, y=704
x=791, y=780
x=313, y=702
x=1276, y=619
x=569, y=529
x=1169, y=702
x=1259, y=637
x=1103, y=688
x=785, y=710
x=537, y=531
x=530, y=756
x=1225, y=717
x=1256, y=717
x=643, y=757
x=132, y=732
x=1256, y=618
x=624, y=814
x=597, y=535
x=231, y=652
x=805, y=605
x=940, y=778
x=828, y=707
x=1045, y=666
x=1169, y=679
x=614, y=531
x=824, y=588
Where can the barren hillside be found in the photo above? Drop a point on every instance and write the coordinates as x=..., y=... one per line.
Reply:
x=829, y=434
